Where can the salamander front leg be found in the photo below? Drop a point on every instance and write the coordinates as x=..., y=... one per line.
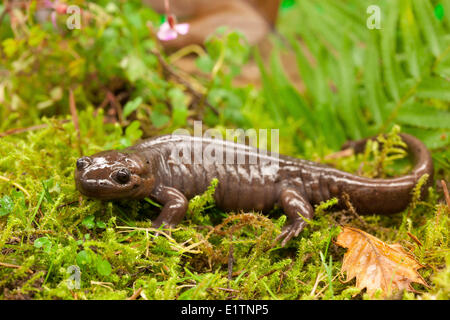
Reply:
x=175, y=207
x=296, y=207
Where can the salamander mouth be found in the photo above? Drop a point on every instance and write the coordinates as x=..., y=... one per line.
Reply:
x=106, y=189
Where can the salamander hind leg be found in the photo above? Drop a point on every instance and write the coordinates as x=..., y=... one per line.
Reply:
x=296, y=207
x=174, y=209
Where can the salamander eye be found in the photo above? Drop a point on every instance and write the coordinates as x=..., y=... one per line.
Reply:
x=123, y=175
x=83, y=163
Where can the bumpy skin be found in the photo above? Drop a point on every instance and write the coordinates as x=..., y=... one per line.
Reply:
x=173, y=169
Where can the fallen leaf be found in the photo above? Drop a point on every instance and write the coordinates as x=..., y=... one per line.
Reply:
x=376, y=264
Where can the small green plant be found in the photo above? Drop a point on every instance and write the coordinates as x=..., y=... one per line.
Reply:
x=381, y=153
x=86, y=260
x=6, y=205
x=43, y=243
x=90, y=223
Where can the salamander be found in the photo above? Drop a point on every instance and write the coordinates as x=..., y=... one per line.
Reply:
x=172, y=169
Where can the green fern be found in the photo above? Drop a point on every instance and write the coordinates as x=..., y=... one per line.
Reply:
x=360, y=82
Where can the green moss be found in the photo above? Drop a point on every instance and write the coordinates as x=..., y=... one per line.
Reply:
x=51, y=229
x=46, y=228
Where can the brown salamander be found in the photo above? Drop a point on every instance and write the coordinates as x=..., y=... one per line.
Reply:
x=174, y=168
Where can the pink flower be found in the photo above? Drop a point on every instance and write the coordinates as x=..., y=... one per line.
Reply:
x=170, y=30
x=57, y=8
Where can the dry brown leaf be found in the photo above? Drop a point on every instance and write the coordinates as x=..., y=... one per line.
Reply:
x=376, y=264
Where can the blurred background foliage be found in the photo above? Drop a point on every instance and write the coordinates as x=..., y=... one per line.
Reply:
x=355, y=81
x=360, y=81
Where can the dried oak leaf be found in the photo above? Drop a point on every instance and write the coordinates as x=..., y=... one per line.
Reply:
x=376, y=264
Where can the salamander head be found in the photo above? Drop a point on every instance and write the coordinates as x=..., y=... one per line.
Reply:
x=110, y=175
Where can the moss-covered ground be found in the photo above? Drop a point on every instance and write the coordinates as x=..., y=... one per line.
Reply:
x=325, y=78
x=47, y=228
